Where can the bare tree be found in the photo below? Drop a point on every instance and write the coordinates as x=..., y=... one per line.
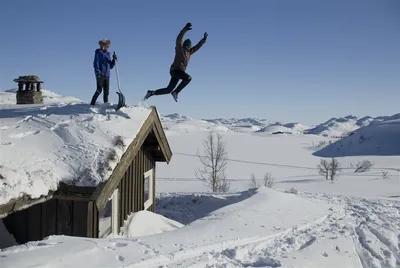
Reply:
x=214, y=162
x=324, y=169
x=334, y=168
x=253, y=181
x=329, y=169
x=363, y=166
x=268, y=180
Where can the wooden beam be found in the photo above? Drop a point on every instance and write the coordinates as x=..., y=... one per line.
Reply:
x=71, y=192
x=105, y=189
x=20, y=204
x=160, y=135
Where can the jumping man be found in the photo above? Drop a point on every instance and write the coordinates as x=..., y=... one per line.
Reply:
x=183, y=51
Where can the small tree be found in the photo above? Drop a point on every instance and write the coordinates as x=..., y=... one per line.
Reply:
x=253, y=181
x=324, y=168
x=329, y=169
x=268, y=180
x=334, y=168
x=363, y=166
x=214, y=162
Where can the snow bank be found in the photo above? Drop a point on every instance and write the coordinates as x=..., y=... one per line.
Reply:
x=145, y=223
x=75, y=143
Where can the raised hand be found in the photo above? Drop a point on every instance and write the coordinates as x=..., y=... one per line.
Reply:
x=188, y=26
x=205, y=36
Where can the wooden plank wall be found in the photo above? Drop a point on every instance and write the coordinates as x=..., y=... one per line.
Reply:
x=53, y=217
x=131, y=187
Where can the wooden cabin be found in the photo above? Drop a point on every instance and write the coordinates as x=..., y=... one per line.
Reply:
x=95, y=211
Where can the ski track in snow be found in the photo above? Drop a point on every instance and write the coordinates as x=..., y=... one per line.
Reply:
x=373, y=225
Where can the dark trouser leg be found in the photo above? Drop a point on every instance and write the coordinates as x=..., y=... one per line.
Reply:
x=172, y=84
x=99, y=88
x=185, y=81
x=106, y=92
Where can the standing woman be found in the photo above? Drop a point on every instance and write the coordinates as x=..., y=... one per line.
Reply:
x=102, y=65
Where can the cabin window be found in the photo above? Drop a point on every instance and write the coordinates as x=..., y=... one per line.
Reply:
x=148, y=188
x=108, y=217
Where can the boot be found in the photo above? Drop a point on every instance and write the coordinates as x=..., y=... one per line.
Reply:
x=175, y=95
x=149, y=94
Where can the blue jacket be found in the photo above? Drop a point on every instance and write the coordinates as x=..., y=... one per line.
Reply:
x=102, y=62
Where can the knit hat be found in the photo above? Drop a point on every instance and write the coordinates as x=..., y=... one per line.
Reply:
x=104, y=42
x=187, y=42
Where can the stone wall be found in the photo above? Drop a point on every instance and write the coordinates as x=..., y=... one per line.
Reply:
x=29, y=97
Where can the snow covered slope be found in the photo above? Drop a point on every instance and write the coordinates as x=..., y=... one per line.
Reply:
x=378, y=138
x=267, y=229
x=71, y=142
x=217, y=237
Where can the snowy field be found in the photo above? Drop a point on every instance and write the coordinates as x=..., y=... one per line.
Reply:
x=303, y=221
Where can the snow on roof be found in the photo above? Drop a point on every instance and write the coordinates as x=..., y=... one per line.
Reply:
x=70, y=142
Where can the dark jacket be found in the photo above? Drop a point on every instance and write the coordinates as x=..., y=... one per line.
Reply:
x=182, y=55
x=102, y=62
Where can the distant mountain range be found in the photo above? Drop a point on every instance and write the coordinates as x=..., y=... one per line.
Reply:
x=334, y=127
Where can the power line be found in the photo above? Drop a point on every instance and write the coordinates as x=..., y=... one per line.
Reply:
x=281, y=165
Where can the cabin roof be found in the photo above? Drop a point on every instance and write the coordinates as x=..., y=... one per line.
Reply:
x=75, y=144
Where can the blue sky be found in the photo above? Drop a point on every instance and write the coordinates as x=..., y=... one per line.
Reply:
x=301, y=61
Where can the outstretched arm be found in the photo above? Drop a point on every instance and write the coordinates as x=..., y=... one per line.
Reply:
x=199, y=44
x=179, y=39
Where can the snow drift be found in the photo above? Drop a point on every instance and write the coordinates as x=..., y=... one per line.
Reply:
x=145, y=223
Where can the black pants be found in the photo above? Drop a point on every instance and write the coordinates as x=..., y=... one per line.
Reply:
x=176, y=75
x=102, y=82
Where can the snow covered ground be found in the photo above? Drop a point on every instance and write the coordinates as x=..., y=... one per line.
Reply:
x=265, y=229
x=304, y=221
x=289, y=159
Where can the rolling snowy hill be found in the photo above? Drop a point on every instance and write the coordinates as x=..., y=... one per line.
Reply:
x=280, y=128
x=378, y=138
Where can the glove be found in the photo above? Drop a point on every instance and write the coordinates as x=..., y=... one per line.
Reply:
x=205, y=36
x=115, y=56
x=188, y=26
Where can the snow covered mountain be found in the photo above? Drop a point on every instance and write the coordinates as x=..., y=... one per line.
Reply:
x=344, y=126
x=380, y=137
